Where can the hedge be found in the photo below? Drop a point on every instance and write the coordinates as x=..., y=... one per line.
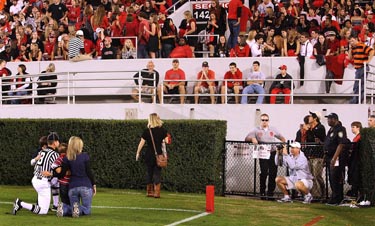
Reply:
x=195, y=155
x=367, y=163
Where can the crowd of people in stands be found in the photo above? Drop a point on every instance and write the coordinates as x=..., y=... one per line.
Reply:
x=37, y=30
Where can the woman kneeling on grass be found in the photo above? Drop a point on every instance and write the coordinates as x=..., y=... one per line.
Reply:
x=159, y=135
x=82, y=181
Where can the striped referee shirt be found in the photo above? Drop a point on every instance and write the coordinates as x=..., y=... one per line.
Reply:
x=75, y=46
x=360, y=54
x=45, y=162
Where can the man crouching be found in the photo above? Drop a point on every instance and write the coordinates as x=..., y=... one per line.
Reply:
x=299, y=178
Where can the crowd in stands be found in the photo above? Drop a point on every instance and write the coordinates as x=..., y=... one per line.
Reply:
x=38, y=30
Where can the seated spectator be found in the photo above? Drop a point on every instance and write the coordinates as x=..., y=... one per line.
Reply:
x=281, y=86
x=35, y=54
x=255, y=83
x=299, y=177
x=257, y=48
x=108, y=51
x=241, y=49
x=222, y=49
x=22, y=85
x=177, y=85
x=47, y=81
x=4, y=72
x=76, y=47
x=232, y=83
x=182, y=50
x=129, y=51
x=148, y=86
x=205, y=83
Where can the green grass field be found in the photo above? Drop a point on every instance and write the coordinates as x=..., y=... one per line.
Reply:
x=131, y=207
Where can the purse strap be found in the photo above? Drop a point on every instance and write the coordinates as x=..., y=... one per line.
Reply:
x=153, y=142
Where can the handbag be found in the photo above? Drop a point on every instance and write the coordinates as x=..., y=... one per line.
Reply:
x=161, y=160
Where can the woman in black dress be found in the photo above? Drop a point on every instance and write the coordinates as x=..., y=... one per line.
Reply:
x=159, y=135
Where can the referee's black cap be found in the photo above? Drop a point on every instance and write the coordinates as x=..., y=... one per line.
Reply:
x=53, y=136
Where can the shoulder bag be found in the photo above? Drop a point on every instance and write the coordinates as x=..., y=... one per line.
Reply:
x=161, y=160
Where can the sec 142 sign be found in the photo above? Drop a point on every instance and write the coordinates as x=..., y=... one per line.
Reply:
x=201, y=10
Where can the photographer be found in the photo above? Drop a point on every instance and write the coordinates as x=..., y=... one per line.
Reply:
x=300, y=177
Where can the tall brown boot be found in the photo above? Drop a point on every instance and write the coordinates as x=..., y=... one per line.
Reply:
x=157, y=191
x=150, y=190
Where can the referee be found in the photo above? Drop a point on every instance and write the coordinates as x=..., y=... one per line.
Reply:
x=40, y=183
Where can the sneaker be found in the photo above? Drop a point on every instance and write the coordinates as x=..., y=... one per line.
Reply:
x=75, y=213
x=285, y=199
x=16, y=206
x=59, y=210
x=54, y=208
x=308, y=199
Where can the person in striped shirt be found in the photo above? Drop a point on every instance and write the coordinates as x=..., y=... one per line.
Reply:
x=41, y=183
x=360, y=53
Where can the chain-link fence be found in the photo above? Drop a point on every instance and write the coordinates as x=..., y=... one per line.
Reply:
x=244, y=160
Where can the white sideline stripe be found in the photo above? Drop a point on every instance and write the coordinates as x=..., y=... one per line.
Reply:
x=133, y=208
x=189, y=219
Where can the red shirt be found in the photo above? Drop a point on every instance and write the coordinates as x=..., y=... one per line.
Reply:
x=74, y=13
x=333, y=46
x=88, y=45
x=245, y=16
x=181, y=52
x=238, y=52
x=232, y=9
x=178, y=75
x=237, y=75
x=99, y=47
x=210, y=76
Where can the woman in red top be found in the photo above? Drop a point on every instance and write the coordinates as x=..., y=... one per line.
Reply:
x=132, y=27
x=99, y=19
x=74, y=12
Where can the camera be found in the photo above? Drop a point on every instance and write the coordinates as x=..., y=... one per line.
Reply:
x=279, y=147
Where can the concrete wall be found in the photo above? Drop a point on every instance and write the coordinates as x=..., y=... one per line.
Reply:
x=240, y=118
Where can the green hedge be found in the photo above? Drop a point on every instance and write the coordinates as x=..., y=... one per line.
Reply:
x=367, y=163
x=195, y=155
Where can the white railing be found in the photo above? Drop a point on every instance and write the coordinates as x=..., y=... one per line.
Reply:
x=114, y=83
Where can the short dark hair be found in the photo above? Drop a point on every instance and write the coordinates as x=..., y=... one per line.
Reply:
x=256, y=62
x=357, y=124
x=372, y=116
x=306, y=119
x=233, y=64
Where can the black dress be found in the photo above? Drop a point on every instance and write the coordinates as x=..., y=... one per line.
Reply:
x=153, y=42
x=159, y=133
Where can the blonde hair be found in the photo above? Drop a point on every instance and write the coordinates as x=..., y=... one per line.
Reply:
x=154, y=121
x=51, y=67
x=75, y=147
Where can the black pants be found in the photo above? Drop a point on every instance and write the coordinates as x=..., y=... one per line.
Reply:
x=268, y=169
x=153, y=174
x=336, y=181
x=301, y=60
x=64, y=190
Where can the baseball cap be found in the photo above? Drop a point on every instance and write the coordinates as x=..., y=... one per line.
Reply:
x=283, y=67
x=330, y=33
x=79, y=33
x=295, y=145
x=333, y=115
x=98, y=30
x=205, y=64
x=53, y=136
x=175, y=61
x=316, y=114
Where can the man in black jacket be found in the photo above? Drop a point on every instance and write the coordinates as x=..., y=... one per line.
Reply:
x=280, y=86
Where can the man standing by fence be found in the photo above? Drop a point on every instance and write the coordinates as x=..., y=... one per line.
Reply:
x=361, y=54
x=262, y=135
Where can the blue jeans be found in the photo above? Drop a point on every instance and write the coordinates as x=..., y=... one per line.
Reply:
x=234, y=32
x=250, y=89
x=359, y=74
x=82, y=196
x=166, y=50
x=18, y=93
x=142, y=51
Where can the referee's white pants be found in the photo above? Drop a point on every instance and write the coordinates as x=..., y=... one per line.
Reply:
x=43, y=188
